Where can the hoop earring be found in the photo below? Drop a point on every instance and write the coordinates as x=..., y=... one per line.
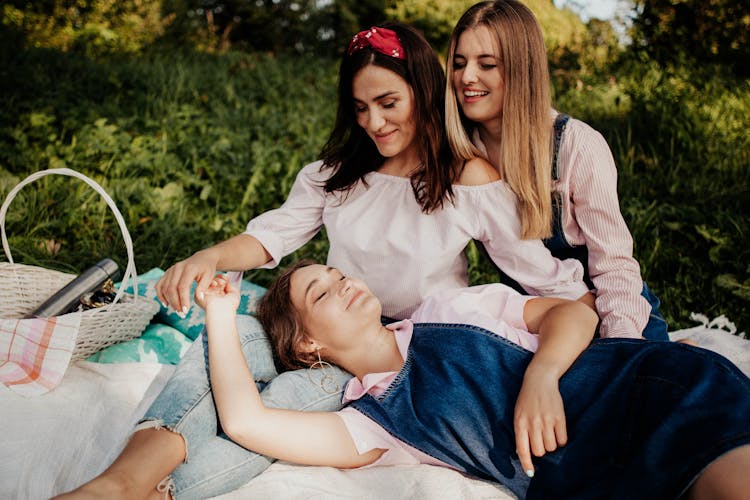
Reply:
x=328, y=384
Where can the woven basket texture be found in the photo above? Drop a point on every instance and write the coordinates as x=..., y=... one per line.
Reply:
x=24, y=287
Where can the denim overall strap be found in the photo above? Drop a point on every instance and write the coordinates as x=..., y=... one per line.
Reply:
x=643, y=418
x=557, y=243
x=560, y=121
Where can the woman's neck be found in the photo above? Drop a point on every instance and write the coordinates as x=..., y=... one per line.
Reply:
x=401, y=165
x=492, y=138
x=401, y=170
x=378, y=353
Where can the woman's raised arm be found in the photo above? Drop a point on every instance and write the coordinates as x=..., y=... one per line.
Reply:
x=314, y=438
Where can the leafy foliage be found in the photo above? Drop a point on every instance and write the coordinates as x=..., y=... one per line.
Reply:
x=91, y=27
x=189, y=147
x=695, y=32
x=103, y=27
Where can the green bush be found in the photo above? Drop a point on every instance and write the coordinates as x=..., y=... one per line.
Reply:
x=90, y=27
x=680, y=142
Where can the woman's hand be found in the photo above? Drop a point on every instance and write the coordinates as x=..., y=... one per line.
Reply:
x=219, y=294
x=173, y=288
x=239, y=253
x=539, y=419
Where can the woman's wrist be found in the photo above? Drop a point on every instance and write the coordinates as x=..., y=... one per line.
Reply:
x=212, y=254
x=543, y=372
x=221, y=308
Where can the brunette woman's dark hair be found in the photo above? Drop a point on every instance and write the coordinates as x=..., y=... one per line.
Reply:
x=282, y=323
x=351, y=154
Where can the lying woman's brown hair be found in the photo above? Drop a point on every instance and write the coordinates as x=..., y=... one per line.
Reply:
x=282, y=323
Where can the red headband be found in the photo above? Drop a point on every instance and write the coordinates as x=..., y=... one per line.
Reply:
x=383, y=40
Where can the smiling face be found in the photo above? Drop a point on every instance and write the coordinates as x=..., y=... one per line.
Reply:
x=332, y=307
x=384, y=108
x=477, y=75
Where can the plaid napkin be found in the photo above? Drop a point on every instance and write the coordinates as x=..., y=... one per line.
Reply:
x=34, y=353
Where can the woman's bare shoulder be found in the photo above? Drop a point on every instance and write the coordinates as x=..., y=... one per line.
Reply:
x=477, y=172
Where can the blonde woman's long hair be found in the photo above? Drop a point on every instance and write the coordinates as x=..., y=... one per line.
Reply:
x=526, y=146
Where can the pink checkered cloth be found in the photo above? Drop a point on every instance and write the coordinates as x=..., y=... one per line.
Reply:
x=34, y=353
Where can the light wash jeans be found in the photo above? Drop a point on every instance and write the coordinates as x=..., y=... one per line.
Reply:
x=214, y=463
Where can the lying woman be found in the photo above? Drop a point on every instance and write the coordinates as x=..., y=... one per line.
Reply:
x=470, y=397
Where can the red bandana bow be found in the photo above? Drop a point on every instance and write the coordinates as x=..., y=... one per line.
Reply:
x=383, y=40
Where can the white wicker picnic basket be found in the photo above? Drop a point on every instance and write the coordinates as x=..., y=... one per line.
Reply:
x=25, y=287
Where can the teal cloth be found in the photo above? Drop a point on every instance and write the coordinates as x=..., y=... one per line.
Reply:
x=168, y=336
x=159, y=343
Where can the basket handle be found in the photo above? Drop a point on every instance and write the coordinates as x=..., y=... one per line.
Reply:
x=130, y=272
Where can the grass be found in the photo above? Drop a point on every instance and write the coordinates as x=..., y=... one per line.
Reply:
x=191, y=146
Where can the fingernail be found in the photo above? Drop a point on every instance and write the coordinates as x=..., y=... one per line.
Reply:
x=184, y=309
x=182, y=315
x=201, y=295
x=164, y=305
x=530, y=472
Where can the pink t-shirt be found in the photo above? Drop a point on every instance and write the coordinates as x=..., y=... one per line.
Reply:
x=494, y=307
x=591, y=216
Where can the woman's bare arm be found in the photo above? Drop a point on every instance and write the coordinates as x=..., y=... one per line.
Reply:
x=313, y=438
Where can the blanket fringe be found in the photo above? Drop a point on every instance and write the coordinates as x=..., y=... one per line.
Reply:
x=719, y=323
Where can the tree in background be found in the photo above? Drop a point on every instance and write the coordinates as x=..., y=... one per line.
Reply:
x=90, y=27
x=254, y=25
x=695, y=32
x=98, y=27
x=564, y=32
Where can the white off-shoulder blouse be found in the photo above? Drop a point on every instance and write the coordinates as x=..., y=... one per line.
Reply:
x=378, y=233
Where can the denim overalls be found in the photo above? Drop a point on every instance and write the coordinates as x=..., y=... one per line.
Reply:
x=643, y=419
x=656, y=328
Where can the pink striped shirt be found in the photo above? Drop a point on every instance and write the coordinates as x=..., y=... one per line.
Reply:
x=592, y=217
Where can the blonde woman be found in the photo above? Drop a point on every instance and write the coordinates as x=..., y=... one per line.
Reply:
x=498, y=106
